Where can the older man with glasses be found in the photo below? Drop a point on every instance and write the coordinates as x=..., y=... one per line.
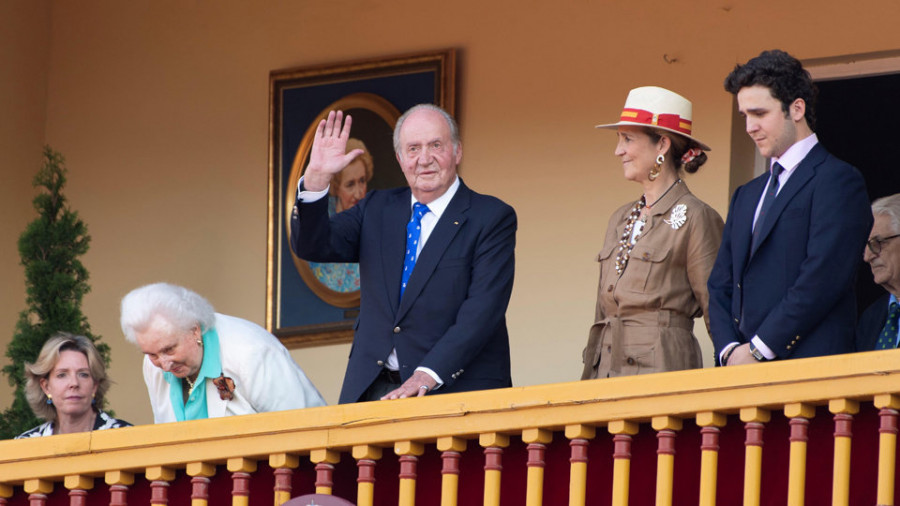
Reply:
x=878, y=328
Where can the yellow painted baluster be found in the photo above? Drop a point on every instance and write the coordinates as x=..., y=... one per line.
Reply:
x=284, y=465
x=450, y=448
x=324, y=460
x=493, y=444
x=409, y=452
x=887, y=447
x=200, y=473
x=843, y=410
x=754, y=422
x=240, y=469
x=365, y=456
x=799, y=415
x=118, y=482
x=78, y=485
x=710, y=422
x=665, y=427
x=6, y=492
x=159, y=478
x=579, y=437
x=38, y=490
x=537, y=440
x=622, y=431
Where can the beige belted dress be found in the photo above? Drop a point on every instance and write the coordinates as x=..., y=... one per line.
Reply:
x=645, y=318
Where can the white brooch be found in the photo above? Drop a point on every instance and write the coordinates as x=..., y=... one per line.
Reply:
x=678, y=216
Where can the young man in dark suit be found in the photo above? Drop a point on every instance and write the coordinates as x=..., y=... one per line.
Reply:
x=877, y=328
x=782, y=284
x=436, y=263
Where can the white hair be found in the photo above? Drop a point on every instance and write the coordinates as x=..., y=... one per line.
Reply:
x=451, y=123
x=890, y=207
x=180, y=307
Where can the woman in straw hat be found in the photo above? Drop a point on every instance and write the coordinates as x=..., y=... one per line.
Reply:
x=658, y=250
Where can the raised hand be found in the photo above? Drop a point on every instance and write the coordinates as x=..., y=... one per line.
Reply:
x=327, y=156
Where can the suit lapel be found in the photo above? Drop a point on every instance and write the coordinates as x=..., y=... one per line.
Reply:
x=742, y=234
x=393, y=243
x=801, y=176
x=447, y=227
x=215, y=406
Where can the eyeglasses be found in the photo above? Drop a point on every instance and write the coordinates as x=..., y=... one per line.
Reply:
x=876, y=243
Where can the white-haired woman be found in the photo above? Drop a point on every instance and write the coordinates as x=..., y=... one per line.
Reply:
x=65, y=386
x=202, y=364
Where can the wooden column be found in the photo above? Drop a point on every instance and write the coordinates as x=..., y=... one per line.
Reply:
x=159, y=478
x=118, y=482
x=78, y=485
x=710, y=422
x=579, y=437
x=284, y=465
x=324, y=460
x=843, y=410
x=537, y=440
x=799, y=414
x=240, y=469
x=365, y=456
x=493, y=444
x=887, y=447
x=409, y=452
x=451, y=449
x=666, y=428
x=37, y=491
x=622, y=431
x=200, y=472
x=755, y=420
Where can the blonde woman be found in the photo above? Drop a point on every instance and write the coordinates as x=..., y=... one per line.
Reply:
x=65, y=386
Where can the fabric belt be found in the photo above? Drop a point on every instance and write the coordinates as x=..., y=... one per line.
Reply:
x=617, y=324
x=390, y=376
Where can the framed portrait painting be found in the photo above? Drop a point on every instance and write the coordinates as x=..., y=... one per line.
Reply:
x=310, y=303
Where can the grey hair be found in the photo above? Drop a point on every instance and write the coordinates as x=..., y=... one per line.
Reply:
x=180, y=307
x=46, y=361
x=454, y=128
x=889, y=206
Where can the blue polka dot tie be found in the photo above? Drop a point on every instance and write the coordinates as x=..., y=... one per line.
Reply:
x=413, y=232
x=888, y=338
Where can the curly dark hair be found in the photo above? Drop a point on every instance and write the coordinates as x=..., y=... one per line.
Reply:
x=785, y=77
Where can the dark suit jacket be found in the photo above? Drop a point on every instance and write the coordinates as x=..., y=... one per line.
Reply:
x=871, y=323
x=796, y=290
x=452, y=318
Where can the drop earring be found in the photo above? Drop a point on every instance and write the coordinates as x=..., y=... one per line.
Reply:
x=654, y=172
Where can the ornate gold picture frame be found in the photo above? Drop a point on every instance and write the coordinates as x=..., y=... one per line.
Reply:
x=303, y=306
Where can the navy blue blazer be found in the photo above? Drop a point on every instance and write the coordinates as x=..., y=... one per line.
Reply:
x=452, y=318
x=871, y=323
x=796, y=290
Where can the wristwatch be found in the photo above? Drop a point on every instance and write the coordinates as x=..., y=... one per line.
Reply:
x=756, y=353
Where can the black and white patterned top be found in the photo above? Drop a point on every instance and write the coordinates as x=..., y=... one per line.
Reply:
x=103, y=421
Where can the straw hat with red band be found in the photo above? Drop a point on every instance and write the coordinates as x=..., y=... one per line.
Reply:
x=655, y=107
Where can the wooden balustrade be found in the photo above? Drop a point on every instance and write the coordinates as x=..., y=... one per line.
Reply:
x=760, y=434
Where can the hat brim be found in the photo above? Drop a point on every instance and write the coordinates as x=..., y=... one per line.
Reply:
x=703, y=146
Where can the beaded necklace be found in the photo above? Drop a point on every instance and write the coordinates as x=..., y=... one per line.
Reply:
x=625, y=243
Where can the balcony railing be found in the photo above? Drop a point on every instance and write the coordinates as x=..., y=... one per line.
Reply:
x=813, y=431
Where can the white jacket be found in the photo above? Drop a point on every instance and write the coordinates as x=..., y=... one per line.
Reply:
x=265, y=376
